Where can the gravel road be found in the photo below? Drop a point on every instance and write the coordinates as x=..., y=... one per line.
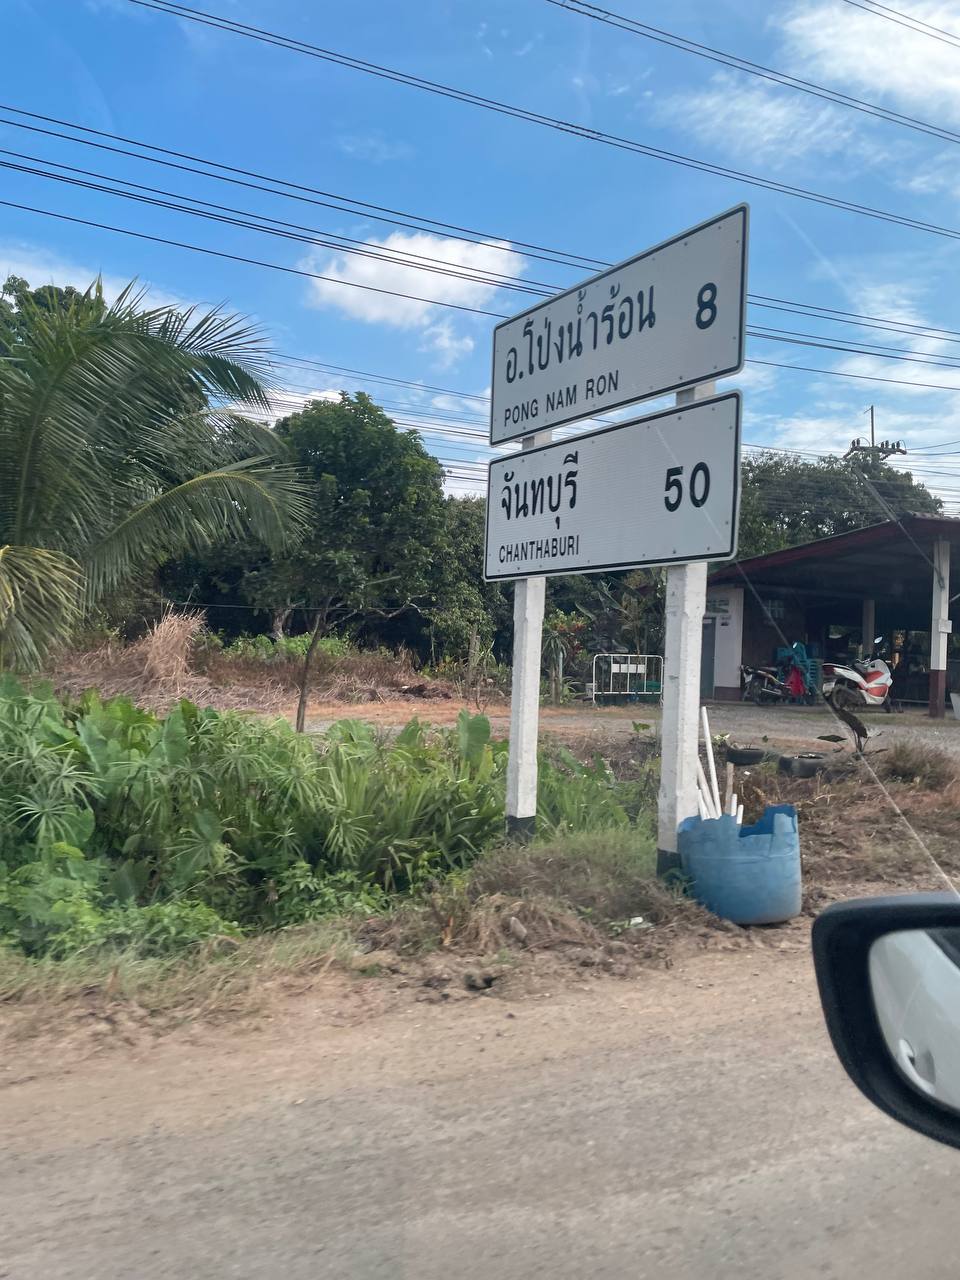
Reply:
x=747, y=724
x=692, y=1124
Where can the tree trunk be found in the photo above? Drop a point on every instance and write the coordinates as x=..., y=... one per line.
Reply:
x=280, y=618
x=472, y=656
x=318, y=629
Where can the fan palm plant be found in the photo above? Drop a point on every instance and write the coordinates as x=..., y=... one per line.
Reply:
x=120, y=446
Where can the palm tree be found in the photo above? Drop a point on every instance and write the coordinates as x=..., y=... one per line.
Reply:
x=121, y=446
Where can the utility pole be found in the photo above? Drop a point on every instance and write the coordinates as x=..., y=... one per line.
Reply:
x=875, y=452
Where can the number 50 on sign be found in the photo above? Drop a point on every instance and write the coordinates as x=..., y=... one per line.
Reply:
x=658, y=490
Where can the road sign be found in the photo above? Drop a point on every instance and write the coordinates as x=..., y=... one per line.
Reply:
x=669, y=318
x=657, y=490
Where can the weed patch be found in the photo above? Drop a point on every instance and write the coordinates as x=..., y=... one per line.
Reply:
x=921, y=766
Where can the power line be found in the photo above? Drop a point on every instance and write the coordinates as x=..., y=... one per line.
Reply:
x=764, y=301
x=301, y=234
x=434, y=266
x=533, y=117
x=254, y=262
x=835, y=346
x=673, y=41
x=312, y=275
x=860, y=377
x=340, y=203
x=466, y=395
x=379, y=377
x=815, y=311
x=907, y=20
x=869, y=348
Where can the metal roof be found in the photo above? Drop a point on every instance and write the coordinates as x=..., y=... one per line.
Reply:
x=888, y=561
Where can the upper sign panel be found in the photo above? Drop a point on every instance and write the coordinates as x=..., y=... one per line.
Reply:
x=669, y=318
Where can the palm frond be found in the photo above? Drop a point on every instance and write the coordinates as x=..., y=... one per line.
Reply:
x=118, y=451
x=251, y=498
x=40, y=597
x=229, y=355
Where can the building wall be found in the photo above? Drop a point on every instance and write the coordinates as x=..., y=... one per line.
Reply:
x=769, y=623
x=726, y=605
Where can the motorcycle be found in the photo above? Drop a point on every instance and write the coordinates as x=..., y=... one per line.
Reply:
x=858, y=684
x=762, y=684
x=774, y=684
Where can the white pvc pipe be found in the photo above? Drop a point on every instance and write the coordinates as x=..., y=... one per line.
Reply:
x=715, y=790
x=713, y=810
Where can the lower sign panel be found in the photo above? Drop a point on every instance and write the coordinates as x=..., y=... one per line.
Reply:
x=657, y=490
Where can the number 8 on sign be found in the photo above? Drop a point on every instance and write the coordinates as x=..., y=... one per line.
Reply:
x=706, y=305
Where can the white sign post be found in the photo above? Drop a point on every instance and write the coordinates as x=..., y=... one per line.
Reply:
x=662, y=490
x=686, y=598
x=670, y=318
x=528, y=605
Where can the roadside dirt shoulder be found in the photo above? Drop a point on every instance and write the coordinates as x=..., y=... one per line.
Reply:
x=355, y=1034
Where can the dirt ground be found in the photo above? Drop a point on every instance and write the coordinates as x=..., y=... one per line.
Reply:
x=695, y=1124
x=669, y=1106
x=748, y=725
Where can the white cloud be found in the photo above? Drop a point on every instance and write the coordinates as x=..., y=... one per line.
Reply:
x=397, y=274
x=39, y=266
x=445, y=344
x=850, y=49
x=374, y=148
x=816, y=433
x=755, y=378
x=285, y=401
x=757, y=122
x=470, y=406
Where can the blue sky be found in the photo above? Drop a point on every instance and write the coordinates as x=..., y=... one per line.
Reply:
x=110, y=65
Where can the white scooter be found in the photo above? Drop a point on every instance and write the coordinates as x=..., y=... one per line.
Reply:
x=859, y=684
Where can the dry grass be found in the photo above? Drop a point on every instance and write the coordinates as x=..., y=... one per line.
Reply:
x=220, y=978
x=574, y=892
x=171, y=662
x=373, y=677
x=919, y=765
x=159, y=669
x=858, y=837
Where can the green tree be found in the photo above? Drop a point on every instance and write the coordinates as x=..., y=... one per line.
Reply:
x=375, y=529
x=785, y=501
x=625, y=611
x=118, y=449
x=467, y=616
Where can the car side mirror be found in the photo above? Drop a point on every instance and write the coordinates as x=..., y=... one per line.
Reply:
x=888, y=970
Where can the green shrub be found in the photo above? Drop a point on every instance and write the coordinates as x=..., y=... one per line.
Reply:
x=267, y=650
x=108, y=812
x=607, y=876
x=572, y=796
x=56, y=907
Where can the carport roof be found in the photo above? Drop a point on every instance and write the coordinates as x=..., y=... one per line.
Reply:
x=888, y=561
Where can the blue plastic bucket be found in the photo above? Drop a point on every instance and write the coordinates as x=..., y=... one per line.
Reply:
x=750, y=875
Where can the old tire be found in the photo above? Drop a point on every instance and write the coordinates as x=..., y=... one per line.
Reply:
x=744, y=755
x=807, y=765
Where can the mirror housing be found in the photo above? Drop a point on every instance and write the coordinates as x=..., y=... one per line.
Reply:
x=843, y=936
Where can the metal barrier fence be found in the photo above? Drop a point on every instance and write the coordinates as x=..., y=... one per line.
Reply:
x=626, y=675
